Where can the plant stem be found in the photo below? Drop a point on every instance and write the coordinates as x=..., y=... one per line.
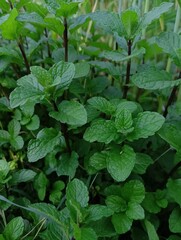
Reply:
x=48, y=46
x=128, y=70
x=21, y=47
x=65, y=39
x=171, y=98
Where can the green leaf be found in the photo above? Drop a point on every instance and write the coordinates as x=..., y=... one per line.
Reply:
x=101, y=131
x=121, y=222
x=45, y=142
x=143, y=161
x=173, y=187
x=4, y=137
x=82, y=69
x=70, y=112
x=68, y=164
x=40, y=185
x=119, y=56
x=107, y=21
x=154, y=14
x=102, y=104
x=77, y=191
x=14, y=229
x=133, y=191
x=123, y=121
x=130, y=20
x=42, y=75
x=23, y=175
x=146, y=124
x=56, y=193
x=175, y=220
x=14, y=128
x=4, y=169
x=84, y=233
x=67, y=9
x=96, y=212
x=135, y=211
x=121, y=164
x=171, y=133
x=151, y=78
x=28, y=90
x=33, y=18
x=62, y=73
x=98, y=160
x=116, y=203
x=9, y=25
x=150, y=204
x=17, y=142
x=34, y=123
x=152, y=234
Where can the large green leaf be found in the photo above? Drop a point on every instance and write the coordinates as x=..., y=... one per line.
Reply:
x=175, y=220
x=135, y=211
x=45, y=142
x=14, y=229
x=98, y=160
x=121, y=164
x=42, y=75
x=142, y=162
x=122, y=223
x=101, y=131
x=78, y=192
x=70, y=112
x=84, y=233
x=28, y=90
x=116, y=203
x=154, y=14
x=82, y=69
x=146, y=124
x=96, y=212
x=151, y=78
x=102, y=104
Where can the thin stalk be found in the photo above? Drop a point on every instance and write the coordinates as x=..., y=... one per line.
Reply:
x=39, y=229
x=21, y=47
x=171, y=98
x=3, y=217
x=128, y=70
x=146, y=9
x=65, y=39
x=48, y=46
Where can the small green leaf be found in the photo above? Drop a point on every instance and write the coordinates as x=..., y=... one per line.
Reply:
x=23, y=175
x=121, y=164
x=173, y=187
x=151, y=78
x=4, y=169
x=85, y=233
x=14, y=128
x=175, y=220
x=116, y=203
x=28, y=90
x=82, y=69
x=146, y=124
x=96, y=212
x=133, y=191
x=46, y=140
x=130, y=20
x=14, y=229
x=142, y=163
x=102, y=104
x=42, y=75
x=68, y=164
x=152, y=234
x=121, y=222
x=40, y=185
x=98, y=160
x=101, y=131
x=4, y=137
x=135, y=211
x=70, y=112
x=56, y=193
x=149, y=203
x=78, y=192
x=17, y=142
x=67, y=9
x=123, y=121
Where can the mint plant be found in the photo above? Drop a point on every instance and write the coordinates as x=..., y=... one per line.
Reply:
x=90, y=120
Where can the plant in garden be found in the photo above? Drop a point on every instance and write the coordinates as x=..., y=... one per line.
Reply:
x=90, y=120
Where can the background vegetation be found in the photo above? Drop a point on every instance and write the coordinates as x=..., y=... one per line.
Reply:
x=90, y=130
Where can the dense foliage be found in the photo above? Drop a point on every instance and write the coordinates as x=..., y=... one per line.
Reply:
x=90, y=123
